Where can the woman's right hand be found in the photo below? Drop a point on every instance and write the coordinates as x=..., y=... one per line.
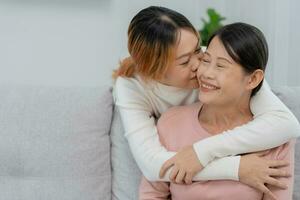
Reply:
x=256, y=171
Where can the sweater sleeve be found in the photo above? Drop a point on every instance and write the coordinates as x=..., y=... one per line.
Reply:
x=142, y=136
x=272, y=119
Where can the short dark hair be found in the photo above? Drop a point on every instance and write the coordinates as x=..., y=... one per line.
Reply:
x=246, y=45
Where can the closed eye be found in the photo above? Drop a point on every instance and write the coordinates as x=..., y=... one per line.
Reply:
x=185, y=63
x=205, y=60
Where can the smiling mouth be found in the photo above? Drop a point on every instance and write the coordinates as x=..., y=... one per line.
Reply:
x=207, y=86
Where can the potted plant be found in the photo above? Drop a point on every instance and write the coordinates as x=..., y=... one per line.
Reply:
x=210, y=26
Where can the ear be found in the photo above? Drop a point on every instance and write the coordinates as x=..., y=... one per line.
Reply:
x=255, y=79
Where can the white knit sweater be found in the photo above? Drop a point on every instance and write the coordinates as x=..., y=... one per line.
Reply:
x=141, y=103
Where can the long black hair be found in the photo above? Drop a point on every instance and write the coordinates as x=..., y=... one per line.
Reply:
x=246, y=45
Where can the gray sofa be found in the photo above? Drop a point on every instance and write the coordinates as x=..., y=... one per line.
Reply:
x=66, y=143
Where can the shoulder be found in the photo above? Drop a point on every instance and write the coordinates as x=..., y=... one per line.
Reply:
x=135, y=85
x=128, y=87
x=126, y=83
x=130, y=93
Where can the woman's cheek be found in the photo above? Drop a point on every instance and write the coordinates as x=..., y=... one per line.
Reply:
x=199, y=71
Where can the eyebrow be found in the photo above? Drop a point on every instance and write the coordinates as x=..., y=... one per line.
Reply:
x=220, y=58
x=189, y=53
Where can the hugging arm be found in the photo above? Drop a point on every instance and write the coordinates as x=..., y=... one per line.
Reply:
x=141, y=134
x=272, y=120
x=272, y=126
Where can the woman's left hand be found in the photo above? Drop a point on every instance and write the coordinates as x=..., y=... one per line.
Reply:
x=185, y=166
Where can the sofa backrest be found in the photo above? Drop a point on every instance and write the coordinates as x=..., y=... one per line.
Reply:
x=54, y=143
x=291, y=97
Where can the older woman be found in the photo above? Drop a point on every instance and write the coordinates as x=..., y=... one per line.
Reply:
x=231, y=72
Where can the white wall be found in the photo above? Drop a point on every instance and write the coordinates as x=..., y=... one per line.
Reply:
x=278, y=19
x=58, y=43
x=79, y=42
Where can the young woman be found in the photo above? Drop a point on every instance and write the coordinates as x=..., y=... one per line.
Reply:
x=232, y=71
x=161, y=73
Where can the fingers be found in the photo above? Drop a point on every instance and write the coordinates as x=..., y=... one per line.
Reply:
x=173, y=174
x=266, y=191
x=180, y=177
x=278, y=173
x=277, y=163
x=188, y=178
x=276, y=183
x=167, y=165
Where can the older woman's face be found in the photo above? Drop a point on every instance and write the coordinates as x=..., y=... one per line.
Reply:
x=182, y=72
x=221, y=79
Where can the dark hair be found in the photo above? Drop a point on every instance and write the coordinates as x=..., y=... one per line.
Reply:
x=246, y=45
x=152, y=37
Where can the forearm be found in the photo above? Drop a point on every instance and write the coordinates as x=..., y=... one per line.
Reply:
x=226, y=168
x=149, y=155
x=145, y=146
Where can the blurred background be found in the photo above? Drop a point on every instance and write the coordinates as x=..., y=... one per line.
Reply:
x=80, y=42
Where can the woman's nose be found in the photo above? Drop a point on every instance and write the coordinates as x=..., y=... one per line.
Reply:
x=195, y=67
x=208, y=72
x=195, y=63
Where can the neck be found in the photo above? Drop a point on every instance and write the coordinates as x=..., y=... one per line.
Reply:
x=218, y=118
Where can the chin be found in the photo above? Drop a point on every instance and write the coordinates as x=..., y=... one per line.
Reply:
x=204, y=98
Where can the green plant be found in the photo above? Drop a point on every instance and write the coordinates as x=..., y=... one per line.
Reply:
x=210, y=26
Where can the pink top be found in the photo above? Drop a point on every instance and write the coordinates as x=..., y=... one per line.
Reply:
x=179, y=127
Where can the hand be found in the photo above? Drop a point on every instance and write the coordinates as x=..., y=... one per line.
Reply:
x=185, y=166
x=256, y=171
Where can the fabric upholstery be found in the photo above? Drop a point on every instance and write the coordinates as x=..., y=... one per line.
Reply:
x=291, y=97
x=55, y=143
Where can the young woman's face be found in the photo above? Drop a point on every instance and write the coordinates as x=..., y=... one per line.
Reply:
x=221, y=79
x=182, y=72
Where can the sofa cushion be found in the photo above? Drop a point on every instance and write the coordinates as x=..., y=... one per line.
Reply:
x=55, y=143
x=291, y=97
x=125, y=172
